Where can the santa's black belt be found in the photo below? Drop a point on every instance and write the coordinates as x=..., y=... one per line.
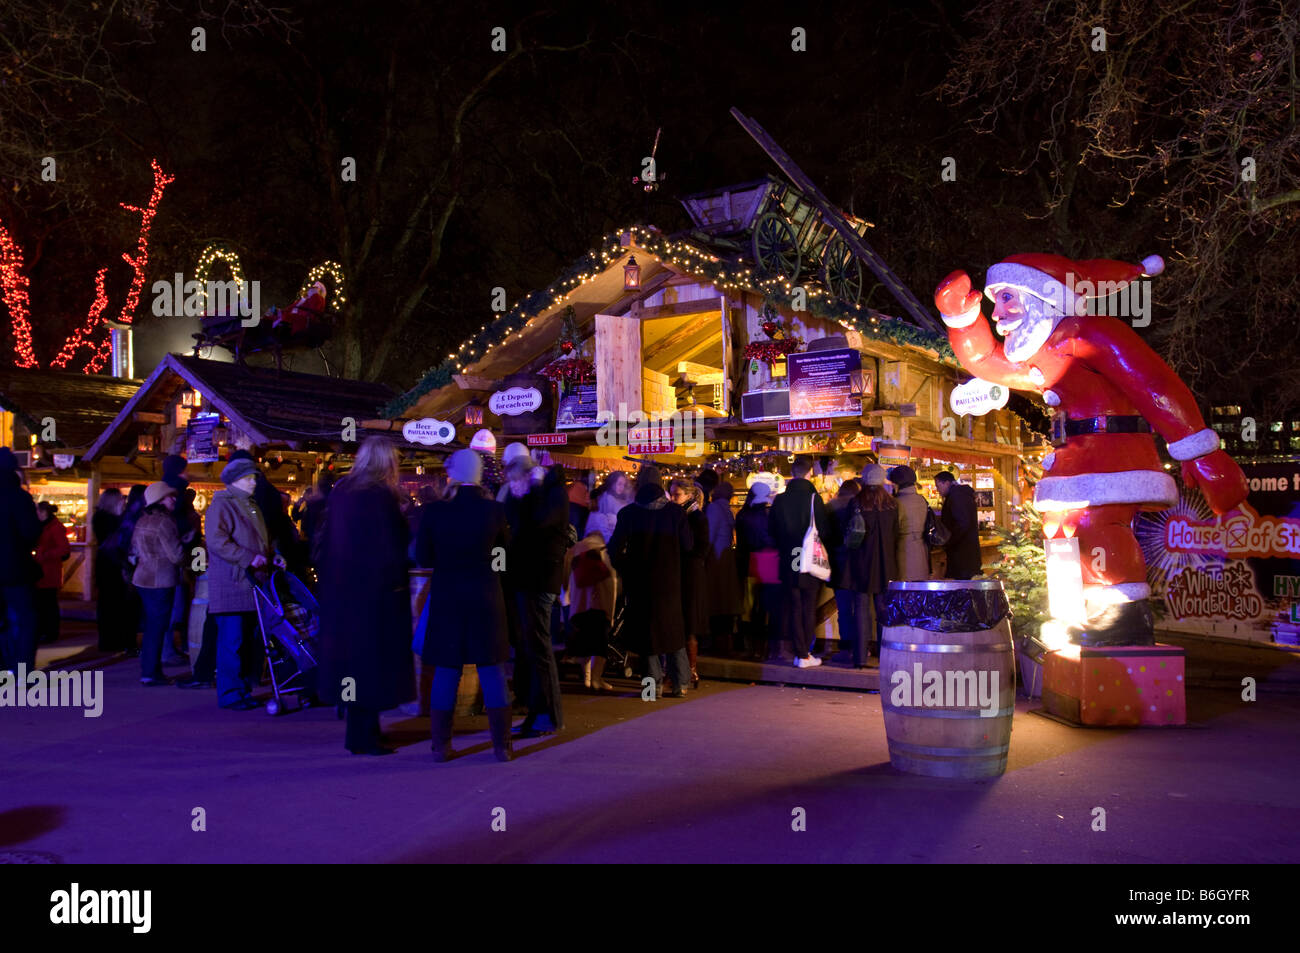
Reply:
x=1063, y=428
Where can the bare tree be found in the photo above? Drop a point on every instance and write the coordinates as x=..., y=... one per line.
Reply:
x=1173, y=125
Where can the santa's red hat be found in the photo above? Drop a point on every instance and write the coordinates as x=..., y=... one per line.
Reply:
x=1064, y=283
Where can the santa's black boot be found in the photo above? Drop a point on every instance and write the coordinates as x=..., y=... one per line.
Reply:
x=1126, y=623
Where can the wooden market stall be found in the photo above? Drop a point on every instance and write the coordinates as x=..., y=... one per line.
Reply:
x=742, y=365
x=50, y=418
x=294, y=424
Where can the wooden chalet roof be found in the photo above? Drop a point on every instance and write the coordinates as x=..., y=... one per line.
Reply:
x=593, y=284
x=275, y=408
x=82, y=405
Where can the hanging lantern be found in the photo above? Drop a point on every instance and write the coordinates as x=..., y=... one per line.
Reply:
x=631, y=274
x=473, y=416
x=145, y=443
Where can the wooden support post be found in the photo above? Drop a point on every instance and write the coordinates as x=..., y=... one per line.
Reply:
x=88, y=593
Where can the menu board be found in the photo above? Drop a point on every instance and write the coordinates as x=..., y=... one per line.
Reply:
x=200, y=444
x=577, y=406
x=821, y=383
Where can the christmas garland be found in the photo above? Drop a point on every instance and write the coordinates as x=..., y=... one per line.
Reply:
x=694, y=261
x=571, y=370
x=770, y=351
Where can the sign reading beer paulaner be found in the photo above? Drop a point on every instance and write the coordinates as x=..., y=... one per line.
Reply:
x=515, y=401
x=428, y=431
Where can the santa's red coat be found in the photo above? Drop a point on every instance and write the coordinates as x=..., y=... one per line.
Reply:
x=1091, y=366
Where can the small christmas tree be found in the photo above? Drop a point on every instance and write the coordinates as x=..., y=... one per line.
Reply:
x=1023, y=571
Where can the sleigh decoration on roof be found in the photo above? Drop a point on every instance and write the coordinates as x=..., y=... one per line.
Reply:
x=307, y=324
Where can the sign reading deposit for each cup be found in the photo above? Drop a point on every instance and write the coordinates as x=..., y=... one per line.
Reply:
x=515, y=401
x=428, y=431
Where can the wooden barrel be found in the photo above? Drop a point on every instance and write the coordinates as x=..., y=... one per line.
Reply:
x=469, y=695
x=947, y=677
x=198, y=617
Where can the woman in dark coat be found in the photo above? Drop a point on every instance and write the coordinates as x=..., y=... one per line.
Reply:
x=133, y=620
x=753, y=536
x=651, y=542
x=365, y=597
x=695, y=596
x=861, y=573
x=113, y=605
x=464, y=539
x=724, y=594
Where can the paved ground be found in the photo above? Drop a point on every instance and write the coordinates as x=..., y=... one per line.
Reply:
x=715, y=777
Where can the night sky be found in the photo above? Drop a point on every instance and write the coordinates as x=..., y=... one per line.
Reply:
x=478, y=168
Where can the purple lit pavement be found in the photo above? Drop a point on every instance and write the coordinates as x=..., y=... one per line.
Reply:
x=716, y=777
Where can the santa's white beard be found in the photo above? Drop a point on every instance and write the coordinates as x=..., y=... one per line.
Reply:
x=1036, y=326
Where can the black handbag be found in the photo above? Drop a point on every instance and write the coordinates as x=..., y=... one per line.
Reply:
x=936, y=535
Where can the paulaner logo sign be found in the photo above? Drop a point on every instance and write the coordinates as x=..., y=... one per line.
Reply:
x=977, y=397
x=954, y=689
x=77, y=906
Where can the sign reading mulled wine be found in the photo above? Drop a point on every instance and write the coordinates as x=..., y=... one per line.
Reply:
x=1237, y=575
x=821, y=383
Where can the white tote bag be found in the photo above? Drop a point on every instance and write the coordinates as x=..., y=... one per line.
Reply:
x=812, y=555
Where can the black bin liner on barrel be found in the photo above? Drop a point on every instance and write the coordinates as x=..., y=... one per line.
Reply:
x=937, y=607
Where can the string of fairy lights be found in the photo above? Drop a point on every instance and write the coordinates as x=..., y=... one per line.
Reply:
x=218, y=252
x=13, y=281
x=82, y=336
x=334, y=271
x=680, y=255
x=214, y=254
x=140, y=261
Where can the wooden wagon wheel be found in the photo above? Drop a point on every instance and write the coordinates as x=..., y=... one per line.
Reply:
x=842, y=272
x=776, y=247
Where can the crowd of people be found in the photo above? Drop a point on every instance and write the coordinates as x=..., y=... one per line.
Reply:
x=515, y=569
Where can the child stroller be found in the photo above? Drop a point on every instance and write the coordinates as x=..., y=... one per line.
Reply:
x=289, y=620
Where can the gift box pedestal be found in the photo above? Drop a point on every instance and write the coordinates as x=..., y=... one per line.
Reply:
x=1121, y=685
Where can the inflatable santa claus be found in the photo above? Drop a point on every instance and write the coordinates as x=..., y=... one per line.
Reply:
x=1108, y=390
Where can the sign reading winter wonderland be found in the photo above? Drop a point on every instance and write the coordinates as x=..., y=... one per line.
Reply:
x=821, y=383
x=1237, y=575
x=514, y=401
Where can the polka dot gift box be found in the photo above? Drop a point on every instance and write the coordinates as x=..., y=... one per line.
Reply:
x=1120, y=685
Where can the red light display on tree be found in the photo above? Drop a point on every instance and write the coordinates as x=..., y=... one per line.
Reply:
x=82, y=336
x=14, y=284
x=140, y=261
